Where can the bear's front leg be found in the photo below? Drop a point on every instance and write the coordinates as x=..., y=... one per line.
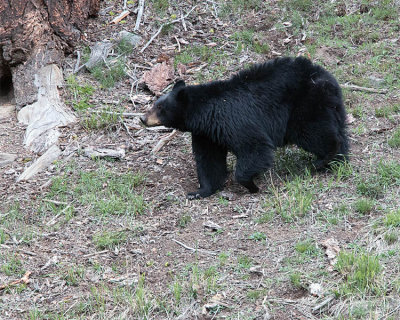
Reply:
x=211, y=166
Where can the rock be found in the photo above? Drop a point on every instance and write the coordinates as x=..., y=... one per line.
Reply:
x=376, y=82
x=132, y=38
x=92, y=152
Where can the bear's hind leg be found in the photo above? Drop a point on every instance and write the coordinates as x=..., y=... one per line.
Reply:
x=251, y=164
x=211, y=167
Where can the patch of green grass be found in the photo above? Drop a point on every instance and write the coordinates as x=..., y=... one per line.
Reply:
x=387, y=111
x=389, y=173
x=160, y=6
x=243, y=263
x=385, y=10
x=358, y=112
x=295, y=279
x=212, y=55
x=258, y=236
x=291, y=161
x=370, y=187
x=256, y=294
x=364, y=206
x=293, y=200
x=124, y=46
x=109, y=74
x=177, y=288
x=184, y=221
x=12, y=266
x=306, y=247
x=339, y=213
x=391, y=237
x=302, y=5
x=109, y=239
x=239, y=6
x=3, y=236
x=249, y=39
x=106, y=192
x=81, y=93
x=361, y=271
x=394, y=141
x=392, y=219
x=223, y=258
x=342, y=170
x=74, y=275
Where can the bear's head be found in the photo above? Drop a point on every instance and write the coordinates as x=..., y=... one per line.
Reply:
x=169, y=110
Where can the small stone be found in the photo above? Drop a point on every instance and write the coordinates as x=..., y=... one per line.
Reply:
x=131, y=38
x=316, y=289
x=375, y=81
x=227, y=195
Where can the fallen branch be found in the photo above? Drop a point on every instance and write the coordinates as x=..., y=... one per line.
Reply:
x=121, y=16
x=55, y=202
x=164, y=141
x=24, y=279
x=193, y=249
x=320, y=306
x=94, y=254
x=357, y=88
x=139, y=15
x=54, y=219
x=124, y=114
x=162, y=26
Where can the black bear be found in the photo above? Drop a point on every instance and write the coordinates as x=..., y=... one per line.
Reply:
x=283, y=101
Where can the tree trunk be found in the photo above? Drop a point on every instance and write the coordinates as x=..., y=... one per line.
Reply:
x=33, y=34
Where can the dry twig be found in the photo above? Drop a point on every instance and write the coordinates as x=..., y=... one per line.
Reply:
x=193, y=249
x=162, y=26
x=164, y=141
x=357, y=88
x=24, y=279
x=139, y=15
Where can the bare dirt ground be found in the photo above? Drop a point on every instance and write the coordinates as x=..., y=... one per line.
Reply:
x=118, y=239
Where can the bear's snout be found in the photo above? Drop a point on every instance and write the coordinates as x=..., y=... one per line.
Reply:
x=150, y=118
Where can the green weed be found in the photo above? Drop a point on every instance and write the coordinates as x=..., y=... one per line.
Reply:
x=81, y=93
x=109, y=239
x=306, y=247
x=391, y=237
x=392, y=219
x=294, y=200
x=362, y=273
x=394, y=141
x=258, y=236
x=364, y=206
x=184, y=221
x=74, y=275
x=12, y=266
x=108, y=75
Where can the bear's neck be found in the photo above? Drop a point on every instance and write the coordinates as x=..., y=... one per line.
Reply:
x=205, y=108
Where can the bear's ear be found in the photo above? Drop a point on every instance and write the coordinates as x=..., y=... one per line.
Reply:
x=178, y=84
x=182, y=95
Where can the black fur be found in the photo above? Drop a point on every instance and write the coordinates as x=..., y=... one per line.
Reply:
x=283, y=101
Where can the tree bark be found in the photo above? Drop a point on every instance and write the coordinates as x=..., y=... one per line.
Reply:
x=36, y=33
